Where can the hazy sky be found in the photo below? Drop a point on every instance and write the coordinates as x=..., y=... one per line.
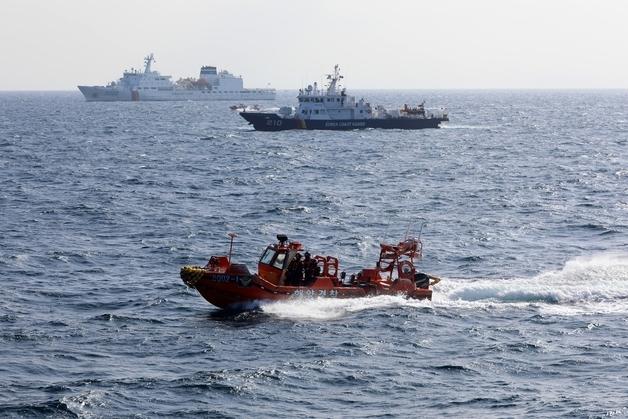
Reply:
x=56, y=45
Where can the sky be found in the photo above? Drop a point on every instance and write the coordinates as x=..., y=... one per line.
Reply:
x=413, y=44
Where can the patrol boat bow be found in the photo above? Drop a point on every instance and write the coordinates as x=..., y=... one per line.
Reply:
x=281, y=275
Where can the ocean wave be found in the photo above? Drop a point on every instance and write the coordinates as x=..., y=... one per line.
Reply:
x=601, y=278
x=51, y=408
x=109, y=317
x=84, y=404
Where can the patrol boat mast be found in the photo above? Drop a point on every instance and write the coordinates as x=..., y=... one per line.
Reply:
x=335, y=78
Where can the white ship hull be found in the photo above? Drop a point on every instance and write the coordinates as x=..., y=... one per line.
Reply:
x=113, y=94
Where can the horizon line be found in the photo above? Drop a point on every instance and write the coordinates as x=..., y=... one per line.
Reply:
x=373, y=89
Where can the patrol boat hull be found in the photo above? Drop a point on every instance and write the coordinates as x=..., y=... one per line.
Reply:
x=114, y=94
x=264, y=121
x=282, y=275
x=238, y=290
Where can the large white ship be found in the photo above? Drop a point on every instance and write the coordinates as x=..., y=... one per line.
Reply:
x=150, y=85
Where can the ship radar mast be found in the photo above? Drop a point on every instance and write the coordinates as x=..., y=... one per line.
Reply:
x=334, y=79
x=147, y=61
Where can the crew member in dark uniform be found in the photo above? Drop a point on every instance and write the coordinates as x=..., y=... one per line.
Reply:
x=310, y=269
x=294, y=275
x=307, y=269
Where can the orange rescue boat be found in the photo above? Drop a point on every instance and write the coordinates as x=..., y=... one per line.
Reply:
x=281, y=275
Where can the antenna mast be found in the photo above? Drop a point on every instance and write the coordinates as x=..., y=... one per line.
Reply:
x=147, y=61
x=232, y=236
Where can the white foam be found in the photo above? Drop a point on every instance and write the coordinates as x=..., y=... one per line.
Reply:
x=333, y=308
x=453, y=126
x=84, y=403
x=596, y=283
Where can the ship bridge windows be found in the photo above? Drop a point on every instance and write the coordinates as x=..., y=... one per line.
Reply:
x=273, y=258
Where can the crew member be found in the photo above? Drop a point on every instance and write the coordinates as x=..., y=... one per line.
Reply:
x=294, y=275
x=310, y=268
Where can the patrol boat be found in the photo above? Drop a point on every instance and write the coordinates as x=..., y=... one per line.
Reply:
x=231, y=285
x=150, y=85
x=332, y=108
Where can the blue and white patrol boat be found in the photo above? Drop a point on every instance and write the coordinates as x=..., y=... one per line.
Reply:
x=150, y=85
x=332, y=108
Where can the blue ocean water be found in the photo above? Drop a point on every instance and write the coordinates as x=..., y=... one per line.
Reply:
x=525, y=195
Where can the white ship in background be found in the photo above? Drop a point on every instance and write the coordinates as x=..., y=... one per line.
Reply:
x=150, y=85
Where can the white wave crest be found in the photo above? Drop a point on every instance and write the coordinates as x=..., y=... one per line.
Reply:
x=84, y=404
x=588, y=283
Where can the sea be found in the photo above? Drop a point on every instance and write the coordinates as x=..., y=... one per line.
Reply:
x=521, y=201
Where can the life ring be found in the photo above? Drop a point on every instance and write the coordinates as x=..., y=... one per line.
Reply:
x=245, y=281
x=405, y=268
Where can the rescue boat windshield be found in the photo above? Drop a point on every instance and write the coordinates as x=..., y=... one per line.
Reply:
x=279, y=260
x=267, y=257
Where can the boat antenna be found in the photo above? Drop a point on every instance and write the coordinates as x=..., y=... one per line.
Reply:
x=423, y=224
x=147, y=62
x=408, y=230
x=232, y=236
x=411, y=227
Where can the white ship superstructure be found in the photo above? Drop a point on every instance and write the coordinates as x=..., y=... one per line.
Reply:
x=150, y=85
x=331, y=103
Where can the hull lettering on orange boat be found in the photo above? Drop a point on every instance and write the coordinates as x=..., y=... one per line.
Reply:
x=228, y=278
x=315, y=293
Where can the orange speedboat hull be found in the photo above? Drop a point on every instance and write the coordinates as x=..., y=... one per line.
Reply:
x=282, y=274
x=233, y=291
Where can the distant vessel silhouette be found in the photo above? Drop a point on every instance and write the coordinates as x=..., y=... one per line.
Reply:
x=150, y=85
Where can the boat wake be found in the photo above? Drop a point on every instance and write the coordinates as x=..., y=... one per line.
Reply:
x=595, y=284
x=590, y=284
x=467, y=127
x=329, y=309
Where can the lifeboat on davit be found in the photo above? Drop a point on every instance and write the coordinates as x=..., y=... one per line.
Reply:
x=285, y=271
